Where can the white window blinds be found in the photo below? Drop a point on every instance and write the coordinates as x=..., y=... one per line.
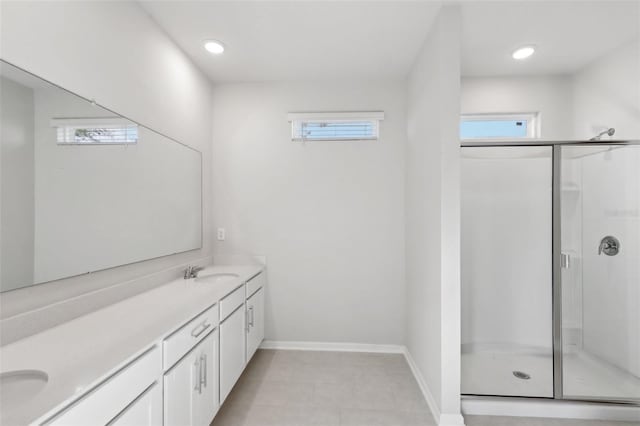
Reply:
x=95, y=131
x=336, y=126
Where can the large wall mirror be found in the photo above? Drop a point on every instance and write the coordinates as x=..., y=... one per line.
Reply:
x=85, y=189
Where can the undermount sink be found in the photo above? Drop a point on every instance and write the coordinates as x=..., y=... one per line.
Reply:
x=18, y=387
x=217, y=278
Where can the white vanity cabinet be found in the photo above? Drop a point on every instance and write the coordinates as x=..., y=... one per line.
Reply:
x=115, y=396
x=191, y=386
x=232, y=340
x=187, y=370
x=146, y=410
x=255, y=314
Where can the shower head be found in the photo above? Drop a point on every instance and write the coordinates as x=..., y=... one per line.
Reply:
x=609, y=132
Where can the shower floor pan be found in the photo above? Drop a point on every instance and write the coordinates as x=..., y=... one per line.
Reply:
x=492, y=373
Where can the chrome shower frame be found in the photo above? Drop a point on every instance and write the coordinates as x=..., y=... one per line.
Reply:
x=556, y=251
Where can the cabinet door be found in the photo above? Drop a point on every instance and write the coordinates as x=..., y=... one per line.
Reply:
x=191, y=386
x=180, y=385
x=232, y=351
x=255, y=316
x=146, y=410
x=207, y=401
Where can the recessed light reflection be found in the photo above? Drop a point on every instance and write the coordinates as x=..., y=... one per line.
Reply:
x=214, y=46
x=523, y=52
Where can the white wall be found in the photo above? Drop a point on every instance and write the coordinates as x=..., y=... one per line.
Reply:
x=433, y=216
x=327, y=215
x=550, y=96
x=17, y=192
x=152, y=81
x=606, y=93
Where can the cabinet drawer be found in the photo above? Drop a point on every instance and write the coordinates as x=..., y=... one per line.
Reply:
x=231, y=302
x=103, y=403
x=182, y=340
x=256, y=283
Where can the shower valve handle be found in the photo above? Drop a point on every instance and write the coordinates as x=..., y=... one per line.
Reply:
x=609, y=245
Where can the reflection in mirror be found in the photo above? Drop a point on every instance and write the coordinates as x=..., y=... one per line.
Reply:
x=84, y=189
x=582, y=80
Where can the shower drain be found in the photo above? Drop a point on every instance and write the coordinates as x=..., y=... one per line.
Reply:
x=521, y=375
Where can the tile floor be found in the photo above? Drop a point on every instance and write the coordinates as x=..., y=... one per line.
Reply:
x=305, y=388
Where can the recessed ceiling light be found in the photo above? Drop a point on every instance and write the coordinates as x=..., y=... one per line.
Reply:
x=214, y=46
x=523, y=52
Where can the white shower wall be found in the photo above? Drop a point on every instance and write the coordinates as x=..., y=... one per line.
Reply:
x=506, y=246
x=611, y=285
x=571, y=237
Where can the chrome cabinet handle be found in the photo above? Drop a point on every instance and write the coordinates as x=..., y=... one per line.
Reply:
x=203, y=379
x=252, y=317
x=246, y=320
x=197, y=369
x=203, y=327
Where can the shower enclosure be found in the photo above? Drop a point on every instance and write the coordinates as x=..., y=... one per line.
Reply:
x=551, y=270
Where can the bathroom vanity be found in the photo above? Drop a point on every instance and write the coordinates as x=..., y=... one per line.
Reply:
x=168, y=356
x=104, y=341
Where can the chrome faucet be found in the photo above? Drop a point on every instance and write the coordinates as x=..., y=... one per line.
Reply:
x=192, y=271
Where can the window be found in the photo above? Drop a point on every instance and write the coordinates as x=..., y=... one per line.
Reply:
x=95, y=131
x=335, y=126
x=499, y=126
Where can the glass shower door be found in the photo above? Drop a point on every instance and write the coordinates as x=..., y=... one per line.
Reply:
x=506, y=271
x=600, y=271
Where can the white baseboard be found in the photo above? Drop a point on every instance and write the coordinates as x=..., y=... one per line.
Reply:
x=330, y=346
x=520, y=407
x=441, y=419
x=451, y=420
x=428, y=396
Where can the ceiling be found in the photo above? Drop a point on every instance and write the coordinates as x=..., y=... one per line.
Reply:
x=568, y=34
x=296, y=40
x=315, y=40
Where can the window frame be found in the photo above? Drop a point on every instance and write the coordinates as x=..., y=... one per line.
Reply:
x=531, y=118
x=297, y=120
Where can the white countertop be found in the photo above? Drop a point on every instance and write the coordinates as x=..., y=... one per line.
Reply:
x=88, y=349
